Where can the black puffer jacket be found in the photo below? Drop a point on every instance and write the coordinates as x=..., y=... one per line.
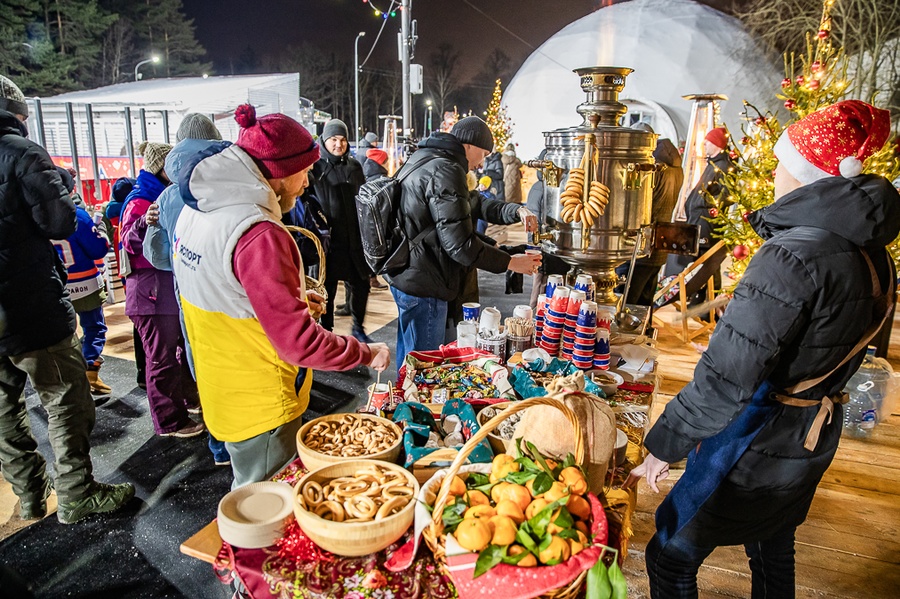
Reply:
x=696, y=206
x=337, y=181
x=34, y=208
x=804, y=302
x=435, y=198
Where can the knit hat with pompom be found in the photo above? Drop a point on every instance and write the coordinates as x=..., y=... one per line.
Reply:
x=279, y=145
x=833, y=141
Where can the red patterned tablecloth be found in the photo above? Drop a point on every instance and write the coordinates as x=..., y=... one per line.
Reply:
x=298, y=569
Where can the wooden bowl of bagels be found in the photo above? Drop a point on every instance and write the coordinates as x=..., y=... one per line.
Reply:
x=357, y=507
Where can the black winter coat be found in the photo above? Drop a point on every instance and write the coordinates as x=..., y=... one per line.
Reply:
x=35, y=311
x=696, y=206
x=804, y=302
x=337, y=181
x=435, y=199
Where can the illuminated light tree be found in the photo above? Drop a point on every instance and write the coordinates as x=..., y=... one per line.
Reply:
x=500, y=124
x=812, y=81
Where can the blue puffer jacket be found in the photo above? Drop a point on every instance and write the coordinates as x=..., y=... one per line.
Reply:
x=34, y=208
x=159, y=239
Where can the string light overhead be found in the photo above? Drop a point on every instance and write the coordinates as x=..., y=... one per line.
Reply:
x=384, y=14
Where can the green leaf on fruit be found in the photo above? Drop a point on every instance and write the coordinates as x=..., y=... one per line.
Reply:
x=564, y=520
x=488, y=558
x=542, y=484
x=519, y=478
x=453, y=515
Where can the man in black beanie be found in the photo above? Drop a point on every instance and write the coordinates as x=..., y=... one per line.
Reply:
x=438, y=214
x=338, y=177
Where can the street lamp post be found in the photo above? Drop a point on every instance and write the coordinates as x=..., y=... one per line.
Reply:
x=428, y=104
x=137, y=76
x=356, y=85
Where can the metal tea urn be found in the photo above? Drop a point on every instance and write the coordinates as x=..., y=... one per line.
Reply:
x=600, y=153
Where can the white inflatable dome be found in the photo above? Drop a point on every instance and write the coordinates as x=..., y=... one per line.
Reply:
x=676, y=48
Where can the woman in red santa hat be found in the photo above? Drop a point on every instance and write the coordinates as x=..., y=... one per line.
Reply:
x=761, y=420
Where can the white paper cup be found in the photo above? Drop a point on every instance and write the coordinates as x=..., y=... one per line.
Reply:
x=523, y=311
x=490, y=321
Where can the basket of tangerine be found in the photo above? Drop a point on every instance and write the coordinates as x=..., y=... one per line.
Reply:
x=524, y=527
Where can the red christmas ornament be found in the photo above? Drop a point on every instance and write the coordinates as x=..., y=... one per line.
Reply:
x=745, y=140
x=814, y=84
x=785, y=82
x=760, y=121
x=800, y=80
x=823, y=34
x=790, y=104
x=740, y=252
x=733, y=155
x=713, y=212
x=746, y=216
x=814, y=67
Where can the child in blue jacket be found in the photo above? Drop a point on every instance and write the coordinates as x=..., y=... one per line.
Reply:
x=86, y=287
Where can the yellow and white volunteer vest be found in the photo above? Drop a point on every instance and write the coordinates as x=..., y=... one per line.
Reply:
x=245, y=387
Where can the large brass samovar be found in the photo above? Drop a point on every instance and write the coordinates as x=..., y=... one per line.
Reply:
x=623, y=162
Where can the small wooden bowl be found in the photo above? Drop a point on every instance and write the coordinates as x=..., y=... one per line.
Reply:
x=353, y=539
x=498, y=443
x=313, y=460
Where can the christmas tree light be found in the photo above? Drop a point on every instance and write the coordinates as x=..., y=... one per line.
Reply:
x=500, y=124
x=812, y=81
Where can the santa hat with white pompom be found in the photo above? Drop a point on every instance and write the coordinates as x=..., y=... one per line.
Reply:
x=833, y=141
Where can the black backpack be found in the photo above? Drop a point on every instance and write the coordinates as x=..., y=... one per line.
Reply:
x=384, y=242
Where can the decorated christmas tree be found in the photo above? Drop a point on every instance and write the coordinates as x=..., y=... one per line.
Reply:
x=500, y=124
x=812, y=81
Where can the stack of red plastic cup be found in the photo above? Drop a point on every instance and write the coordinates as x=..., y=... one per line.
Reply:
x=555, y=320
x=605, y=315
x=585, y=335
x=601, y=349
x=568, y=339
x=539, y=318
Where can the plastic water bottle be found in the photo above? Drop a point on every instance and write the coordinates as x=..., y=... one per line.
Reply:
x=867, y=389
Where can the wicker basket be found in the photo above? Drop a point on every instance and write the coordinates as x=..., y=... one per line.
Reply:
x=317, y=285
x=434, y=535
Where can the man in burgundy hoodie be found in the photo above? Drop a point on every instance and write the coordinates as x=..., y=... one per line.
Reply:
x=246, y=309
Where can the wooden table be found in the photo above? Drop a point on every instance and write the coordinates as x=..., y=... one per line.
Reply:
x=205, y=544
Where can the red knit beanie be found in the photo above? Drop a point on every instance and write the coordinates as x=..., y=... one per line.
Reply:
x=279, y=145
x=379, y=156
x=717, y=137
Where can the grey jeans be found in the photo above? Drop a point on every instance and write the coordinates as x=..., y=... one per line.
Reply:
x=259, y=458
x=58, y=374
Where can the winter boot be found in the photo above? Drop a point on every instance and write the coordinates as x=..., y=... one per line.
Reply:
x=102, y=498
x=98, y=387
x=35, y=508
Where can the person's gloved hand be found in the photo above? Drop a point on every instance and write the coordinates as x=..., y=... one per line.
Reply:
x=653, y=468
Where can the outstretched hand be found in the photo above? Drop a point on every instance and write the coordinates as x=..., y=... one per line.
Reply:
x=653, y=468
x=381, y=356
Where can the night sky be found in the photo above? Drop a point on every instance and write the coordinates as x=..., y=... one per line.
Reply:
x=227, y=27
